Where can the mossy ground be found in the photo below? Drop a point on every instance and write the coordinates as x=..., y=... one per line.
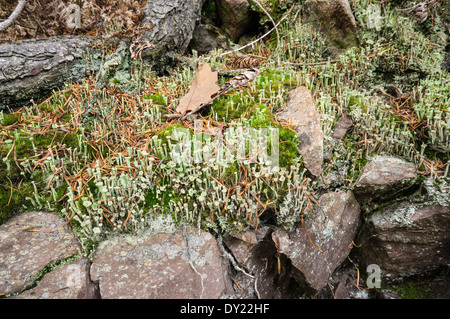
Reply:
x=102, y=159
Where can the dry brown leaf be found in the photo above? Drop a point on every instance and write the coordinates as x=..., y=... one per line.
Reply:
x=202, y=87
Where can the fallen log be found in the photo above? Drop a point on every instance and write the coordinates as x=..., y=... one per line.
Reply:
x=31, y=69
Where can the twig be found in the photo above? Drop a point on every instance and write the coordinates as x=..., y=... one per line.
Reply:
x=5, y=24
x=271, y=19
x=262, y=37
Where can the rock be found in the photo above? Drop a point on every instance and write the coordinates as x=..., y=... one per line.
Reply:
x=206, y=38
x=29, y=242
x=235, y=17
x=335, y=19
x=387, y=294
x=342, y=126
x=406, y=239
x=384, y=175
x=274, y=276
x=301, y=111
x=70, y=281
x=181, y=265
x=346, y=288
x=318, y=247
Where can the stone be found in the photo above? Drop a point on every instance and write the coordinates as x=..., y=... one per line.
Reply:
x=235, y=17
x=342, y=126
x=206, y=38
x=28, y=243
x=406, y=239
x=274, y=276
x=334, y=18
x=323, y=242
x=70, y=281
x=384, y=175
x=302, y=113
x=185, y=264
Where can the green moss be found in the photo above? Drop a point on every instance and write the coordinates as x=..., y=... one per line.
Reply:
x=9, y=119
x=158, y=98
x=410, y=291
x=209, y=9
x=231, y=106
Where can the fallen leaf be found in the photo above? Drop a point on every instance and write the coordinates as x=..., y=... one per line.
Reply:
x=202, y=87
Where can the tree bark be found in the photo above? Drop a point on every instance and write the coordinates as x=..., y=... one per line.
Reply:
x=173, y=27
x=30, y=69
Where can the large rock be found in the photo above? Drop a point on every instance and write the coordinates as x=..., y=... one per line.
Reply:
x=206, y=38
x=274, y=276
x=335, y=19
x=235, y=17
x=70, y=281
x=384, y=175
x=301, y=111
x=185, y=264
x=29, y=242
x=318, y=247
x=406, y=239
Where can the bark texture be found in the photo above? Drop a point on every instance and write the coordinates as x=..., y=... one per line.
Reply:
x=173, y=24
x=30, y=69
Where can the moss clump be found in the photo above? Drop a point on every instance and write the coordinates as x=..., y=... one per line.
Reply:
x=410, y=291
x=157, y=98
x=24, y=182
x=231, y=106
x=9, y=119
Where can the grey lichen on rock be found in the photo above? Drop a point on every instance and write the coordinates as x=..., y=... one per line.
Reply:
x=69, y=281
x=335, y=19
x=318, y=247
x=407, y=239
x=182, y=264
x=28, y=243
x=384, y=175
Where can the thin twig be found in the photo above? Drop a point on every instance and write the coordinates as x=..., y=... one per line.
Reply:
x=271, y=19
x=262, y=37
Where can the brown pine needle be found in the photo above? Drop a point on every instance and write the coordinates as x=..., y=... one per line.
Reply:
x=310, y=240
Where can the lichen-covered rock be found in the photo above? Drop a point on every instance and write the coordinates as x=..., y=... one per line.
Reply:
x=335, y=19
x=70, y=281
x=406, y=239
x=235, y=17
x=384, y=175
x=29, y=242
x=207, y=37
x=318, y=247
x=301, y=111
x=184, y=264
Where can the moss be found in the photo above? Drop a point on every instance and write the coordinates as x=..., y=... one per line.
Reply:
x=410, y=291
x=16, y=201
x=10, y=119
x=158, y=98
x=232, y=106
